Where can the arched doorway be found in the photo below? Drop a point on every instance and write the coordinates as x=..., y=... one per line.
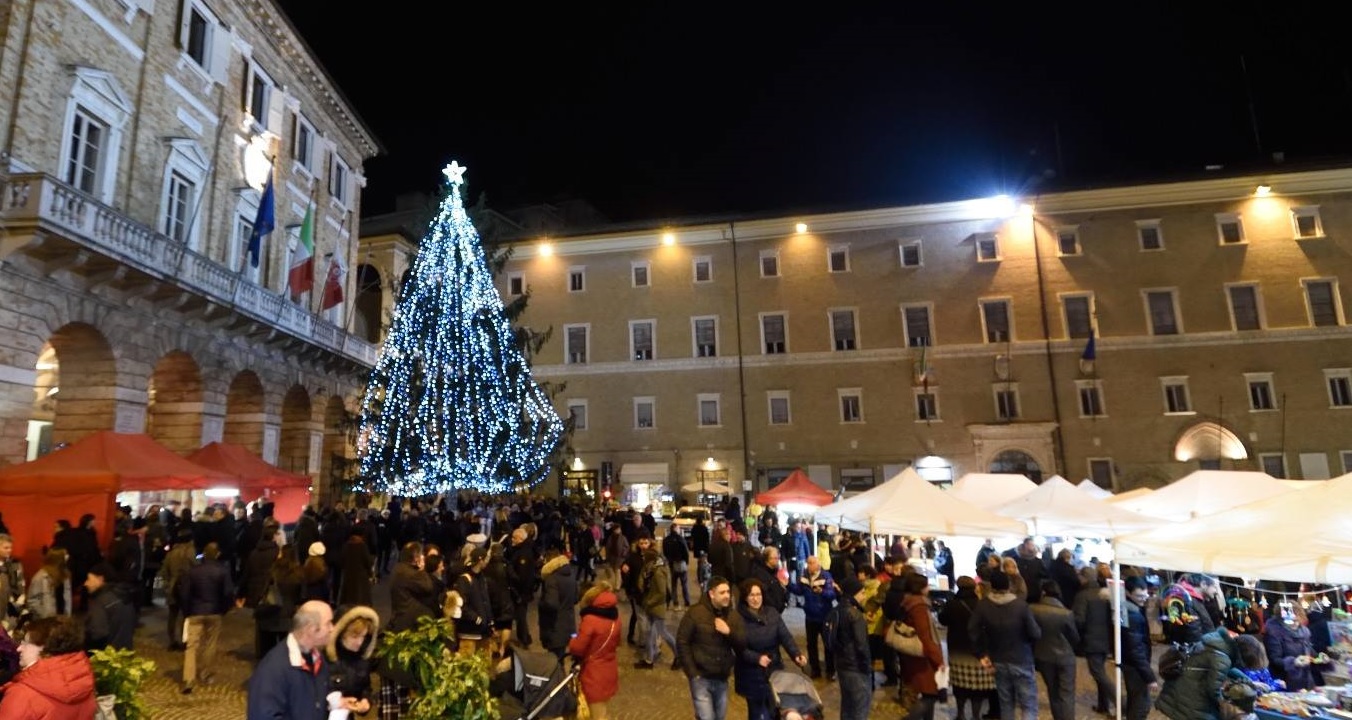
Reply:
x=1208, y=443
x=64, y=412
x=1017, y=462
x=297, y=428
x=174, y=403
x=244, y=412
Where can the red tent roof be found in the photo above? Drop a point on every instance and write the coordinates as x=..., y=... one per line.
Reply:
x=796, y=488
x=254, y=472
x=108, y=461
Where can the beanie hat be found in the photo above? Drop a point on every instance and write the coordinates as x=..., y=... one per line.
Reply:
x=317, y=549
x=850, y=586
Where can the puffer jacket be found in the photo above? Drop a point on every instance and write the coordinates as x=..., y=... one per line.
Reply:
x=703, y=651
x=598, y=636
x=1195, y=694
x=60, y=687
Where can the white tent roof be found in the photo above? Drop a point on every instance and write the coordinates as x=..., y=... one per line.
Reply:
x=1093, y=490
x=1296, y=536
x=1205, y=492
x=1132, y=494
x=708, y=488
x=989, y=490
x=911, y=505
x=1058, y=508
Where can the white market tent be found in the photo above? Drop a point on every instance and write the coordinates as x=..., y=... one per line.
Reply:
x=990, y=490
x=1058, y=508
x=1299, y=536
x=708, y=488
x=1205, y=492
x=911, y=505
x=1094, y=491
x=1133, y=494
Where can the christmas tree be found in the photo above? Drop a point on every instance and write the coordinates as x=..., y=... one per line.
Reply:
x=451, y=404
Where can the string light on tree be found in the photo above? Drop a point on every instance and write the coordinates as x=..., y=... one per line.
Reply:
x=451, y=404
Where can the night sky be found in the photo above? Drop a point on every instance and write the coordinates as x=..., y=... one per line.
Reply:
x=667, y=110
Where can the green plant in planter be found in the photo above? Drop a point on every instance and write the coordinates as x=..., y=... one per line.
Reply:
x=448, y=685
x=120, y=673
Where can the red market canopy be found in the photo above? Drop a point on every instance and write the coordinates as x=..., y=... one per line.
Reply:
x=254, y=472
x=797, y=489
x=111, y=462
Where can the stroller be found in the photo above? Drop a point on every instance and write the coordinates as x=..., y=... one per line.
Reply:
x=794, y=696
x=534, y=686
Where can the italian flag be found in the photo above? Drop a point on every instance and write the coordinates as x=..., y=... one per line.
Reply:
x=301, y=279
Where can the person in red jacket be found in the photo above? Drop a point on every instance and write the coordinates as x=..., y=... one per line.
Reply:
x=598, y=636
x=57, y=681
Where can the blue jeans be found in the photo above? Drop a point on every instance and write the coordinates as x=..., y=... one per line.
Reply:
x=710, y=697
x=856, y=694
x=657, y=631
x=1017, y=688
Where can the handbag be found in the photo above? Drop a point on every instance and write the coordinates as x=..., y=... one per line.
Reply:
x=904, y=639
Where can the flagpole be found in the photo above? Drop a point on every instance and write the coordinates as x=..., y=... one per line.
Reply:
x=238, y=279
x=334, y=256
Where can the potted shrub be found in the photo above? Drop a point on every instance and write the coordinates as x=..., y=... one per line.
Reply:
x=119, y=673
x=447, y=685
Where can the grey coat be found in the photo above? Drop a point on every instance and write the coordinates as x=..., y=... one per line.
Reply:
x=1059, y=636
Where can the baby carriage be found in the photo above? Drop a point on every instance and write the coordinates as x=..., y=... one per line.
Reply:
x=534, y=686
x=794, y=696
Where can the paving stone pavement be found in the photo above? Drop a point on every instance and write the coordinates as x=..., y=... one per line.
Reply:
x=658, y=694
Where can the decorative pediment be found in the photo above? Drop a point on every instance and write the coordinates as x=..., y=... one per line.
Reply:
x=100, y=85
x=189, y=151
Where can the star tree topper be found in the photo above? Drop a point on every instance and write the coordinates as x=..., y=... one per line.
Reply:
x=455, y=173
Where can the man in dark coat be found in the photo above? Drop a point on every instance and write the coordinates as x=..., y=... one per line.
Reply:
x=523, y=575
x=1137, y=675
x=766, y=569
x=677, y=553
x=1031, y=568
x=1003, y=633
x=412, y=591
x=708, y=640
x=112, y=617
x=558, y=595
x=1094, y=621
x=292, y=680
x=205, y=594
x=1054, y=652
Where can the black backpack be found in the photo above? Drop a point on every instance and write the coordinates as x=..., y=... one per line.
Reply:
x=831, y=626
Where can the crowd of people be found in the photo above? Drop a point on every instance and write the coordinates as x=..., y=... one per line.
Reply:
x=487, y=564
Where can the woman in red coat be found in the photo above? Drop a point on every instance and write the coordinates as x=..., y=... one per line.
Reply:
x=57, y=681
x=918, y=672
x=598, y=635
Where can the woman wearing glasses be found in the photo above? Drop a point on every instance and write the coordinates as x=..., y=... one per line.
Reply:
x=57, y=681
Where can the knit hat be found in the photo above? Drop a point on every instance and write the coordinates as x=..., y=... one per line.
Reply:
x=317, y=549
x=850, y=586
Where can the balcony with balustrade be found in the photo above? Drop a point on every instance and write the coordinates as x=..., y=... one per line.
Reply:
x=62, y=230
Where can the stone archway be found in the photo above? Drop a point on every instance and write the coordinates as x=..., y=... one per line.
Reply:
x=174, y=403
x=245, y=412
x=299, y=433
x=76, y=387
x=1207, y=443
x=1030, y=439
x=1017, y=462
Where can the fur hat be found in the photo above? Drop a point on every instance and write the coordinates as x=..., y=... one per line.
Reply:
x=597, y=588
x=317, y=549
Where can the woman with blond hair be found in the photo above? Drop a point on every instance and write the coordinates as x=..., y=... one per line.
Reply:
x=49, y=590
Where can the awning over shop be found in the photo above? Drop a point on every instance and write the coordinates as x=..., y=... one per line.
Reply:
x=644, y=474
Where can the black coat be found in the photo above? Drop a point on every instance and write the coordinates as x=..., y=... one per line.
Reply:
x=111, y=621
x=766, y=633
x=356, y=563
x=775, y=596
x=558, y=621
x=412, y=595
x=702, y=650
x=206, y=589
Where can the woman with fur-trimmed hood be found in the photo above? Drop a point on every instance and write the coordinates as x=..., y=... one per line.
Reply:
x=349, y=653
x=598, y=636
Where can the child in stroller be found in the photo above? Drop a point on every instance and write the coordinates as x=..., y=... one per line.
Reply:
x=533, y=686
x=794, y=696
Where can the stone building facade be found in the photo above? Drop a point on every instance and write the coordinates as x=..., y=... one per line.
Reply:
x=138, y=139
x=953, y=337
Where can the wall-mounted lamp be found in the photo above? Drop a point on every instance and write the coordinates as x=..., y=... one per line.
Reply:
x=800, y=228
x=1263, y=190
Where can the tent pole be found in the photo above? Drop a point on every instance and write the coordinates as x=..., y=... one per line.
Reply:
x=1117, y=634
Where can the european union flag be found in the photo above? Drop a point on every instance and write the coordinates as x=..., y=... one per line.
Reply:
x=263, y=224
